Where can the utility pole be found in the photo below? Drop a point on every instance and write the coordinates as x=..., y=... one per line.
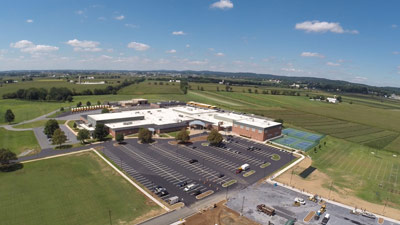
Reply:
x=109, y=214
x=226, y=197
x=291, y=175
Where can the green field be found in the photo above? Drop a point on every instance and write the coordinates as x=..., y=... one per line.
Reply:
x=27, y=110
x=149, y=87
x=18, y=141
x=373, y=175
x=79, y=189
x=49, y=83
x=39, y=123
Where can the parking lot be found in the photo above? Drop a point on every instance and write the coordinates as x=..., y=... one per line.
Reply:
x=174, y=167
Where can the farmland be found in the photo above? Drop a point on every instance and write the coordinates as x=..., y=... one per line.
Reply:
x=86, y=191
x=151, y=87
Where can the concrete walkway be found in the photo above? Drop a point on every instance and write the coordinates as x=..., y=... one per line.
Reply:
x=42, y=117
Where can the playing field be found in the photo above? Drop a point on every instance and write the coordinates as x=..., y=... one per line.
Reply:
x=372, y=175
x=69, y=190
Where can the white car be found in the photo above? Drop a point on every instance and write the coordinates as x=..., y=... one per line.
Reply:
x=189, y=187
x=300, y=200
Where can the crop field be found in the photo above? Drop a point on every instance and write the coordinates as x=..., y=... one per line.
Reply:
x=49, y=83
x=352, y=122
x=373, y=175
x=87, y=190
x=151, y=87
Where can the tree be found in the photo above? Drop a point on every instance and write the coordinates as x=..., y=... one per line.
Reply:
x=98, y=103
x=182, y=136
x=62, y=109
x=58, y=137
x=83, y=135
x=249, y=90
x=201, y=88
x=145, y=136
x=119, y=137
x=105, y=110
x=100, y=132
x=6, y=155
x=279, y=120
x=50, y=127
x=70, y=98
x=214, y=137
x=339, y=98
x=9, y=116
x=79, y=104
x=88, y=103
x=217, y=88
x=256, y=91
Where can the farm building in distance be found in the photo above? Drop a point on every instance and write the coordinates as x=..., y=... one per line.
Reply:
x=173, y=117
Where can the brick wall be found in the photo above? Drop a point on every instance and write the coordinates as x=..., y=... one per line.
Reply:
x=255, y=133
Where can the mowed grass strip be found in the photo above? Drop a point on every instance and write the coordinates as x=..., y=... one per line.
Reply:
x=18, y=141
x=70, y=190
x=39, y=123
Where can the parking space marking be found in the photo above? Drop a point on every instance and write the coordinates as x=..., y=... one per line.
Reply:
x=195, y=167
x=227, y=164
x=245, y=158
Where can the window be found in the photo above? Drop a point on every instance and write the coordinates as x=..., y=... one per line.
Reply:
x=252, y=129
x=259, y=131
x=235, y=125
x=241, y=126
x=247, y=128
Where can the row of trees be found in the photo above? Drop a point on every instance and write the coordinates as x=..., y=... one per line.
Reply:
x=61, y=94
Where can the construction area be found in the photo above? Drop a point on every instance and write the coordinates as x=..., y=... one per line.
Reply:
x=257, y=201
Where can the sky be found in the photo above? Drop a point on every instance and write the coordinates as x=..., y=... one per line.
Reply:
x=356, y=41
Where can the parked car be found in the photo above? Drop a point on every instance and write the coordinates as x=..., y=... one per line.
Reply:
x=182, y=184
x=193, y=161
x=189, y=187
x=221, y=175
x=159, y=189
x=197, y=192
x=194, y=147
x=300, y=200
x=163, y=193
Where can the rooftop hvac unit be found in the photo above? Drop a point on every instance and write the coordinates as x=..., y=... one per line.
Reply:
x=127, y=123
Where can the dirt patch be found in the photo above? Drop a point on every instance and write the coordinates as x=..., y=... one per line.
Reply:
x=315, y=184
x=309, y=216
x=220, y=215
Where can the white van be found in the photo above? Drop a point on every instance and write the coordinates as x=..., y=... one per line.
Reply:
x=189, y=187
x=173, y=200
x=245, y=167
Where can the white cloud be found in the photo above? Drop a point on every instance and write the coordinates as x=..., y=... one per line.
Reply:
x=222, y=4
x=102, y=18
x=291, y=70
x=178, y=33
x=30, y=47
x=80, y=12
x=84, y=46
x=187, y=46
x=359, y=78
x=332, y=64
x=396, y=53
x=394, y=26
x=105, y=57
x=220, y=54
x=121, y=17
x=398, y=69
x=29, y=20
x=322, y=27
x=138, y=46
x=312, y=54
x=172, y=51
x=131, y=25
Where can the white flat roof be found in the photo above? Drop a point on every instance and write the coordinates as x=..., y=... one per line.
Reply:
x=163, y=116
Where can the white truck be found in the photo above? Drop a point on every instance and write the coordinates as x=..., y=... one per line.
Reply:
x=242, y=168
x=173, y=200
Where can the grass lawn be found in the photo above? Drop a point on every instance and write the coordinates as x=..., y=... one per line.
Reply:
x=39, y=123
x=18, y=141
x=78, y=189
x=373, y=175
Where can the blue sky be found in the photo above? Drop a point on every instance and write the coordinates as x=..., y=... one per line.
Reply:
x=354, y=40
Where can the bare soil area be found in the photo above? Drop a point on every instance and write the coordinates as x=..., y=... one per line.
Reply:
x=220, y=215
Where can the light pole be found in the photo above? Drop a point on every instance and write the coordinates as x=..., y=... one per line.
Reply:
x=291, y=175
x=226, y=197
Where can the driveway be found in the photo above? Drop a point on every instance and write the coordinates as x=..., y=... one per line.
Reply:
x=45, y=143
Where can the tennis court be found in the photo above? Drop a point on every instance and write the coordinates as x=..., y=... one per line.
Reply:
x=298, y=139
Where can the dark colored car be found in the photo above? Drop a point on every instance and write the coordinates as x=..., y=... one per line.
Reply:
x=182, y=184
x=221, y=175
x=196, y=192
x=194, y=147
x=193, y=161
x=238, y=171
x=163, y=193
